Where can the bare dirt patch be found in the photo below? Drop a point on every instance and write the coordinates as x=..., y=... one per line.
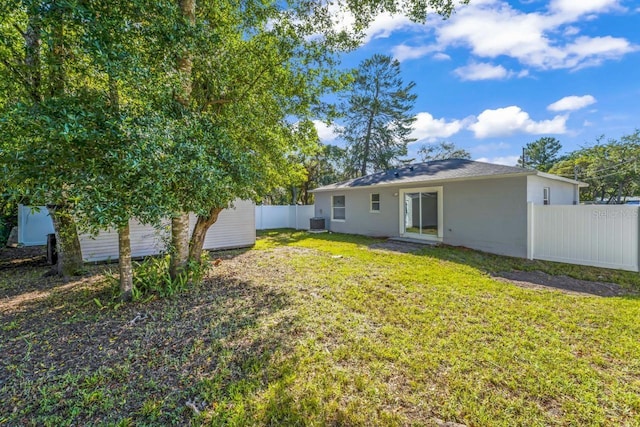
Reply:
x=398, y=246
x=34, y=256
x=544, y=281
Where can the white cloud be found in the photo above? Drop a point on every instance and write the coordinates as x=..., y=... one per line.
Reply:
x=426, y=127
x=326, y=133
x=543, y=40
x=572, y=103
x=382, y=26
x=403, y=52
x=500, y=160
x=576, y=8
x=441, y=57
x=571, y=31
x=510, y=120
x=484, y=71
x=385, y=24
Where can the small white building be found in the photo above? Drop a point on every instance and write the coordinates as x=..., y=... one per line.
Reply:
x=235, y=228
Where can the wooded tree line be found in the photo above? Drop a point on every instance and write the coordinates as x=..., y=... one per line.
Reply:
x=112, y=110
x=610, y=166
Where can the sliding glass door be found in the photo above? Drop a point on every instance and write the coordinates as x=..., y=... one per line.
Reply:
x=421, y=213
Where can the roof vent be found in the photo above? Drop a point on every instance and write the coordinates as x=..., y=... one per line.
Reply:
x=411, y=168
x=396, y=174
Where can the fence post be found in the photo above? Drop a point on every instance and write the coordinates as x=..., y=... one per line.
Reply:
x=296, y=213
x=261, y=216
x=530, y=230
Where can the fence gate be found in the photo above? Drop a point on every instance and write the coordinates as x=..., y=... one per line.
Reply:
x=598, y=235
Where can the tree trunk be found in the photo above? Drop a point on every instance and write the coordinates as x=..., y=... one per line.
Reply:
x=199, y=233
x=185, y=62
x=367, y=138
x=180, y=224
x=124, y=258
x=67, y=243
x=57, y=52
x=180, y=243
x=32, y=41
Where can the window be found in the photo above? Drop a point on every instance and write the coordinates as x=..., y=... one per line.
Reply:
x=375, y=203
x=546, y=195
x=338, y=208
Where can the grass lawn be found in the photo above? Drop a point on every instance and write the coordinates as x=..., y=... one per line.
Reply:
x=323, y=329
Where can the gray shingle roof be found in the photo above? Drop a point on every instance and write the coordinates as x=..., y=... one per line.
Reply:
x=437, y=170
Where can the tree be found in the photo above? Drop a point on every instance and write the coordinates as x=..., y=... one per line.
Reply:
x=35, y=134
x=323, y=167
x=377, y=120
x=541, y=154
x=443, y=151
x=150, y=109
x=610, y=167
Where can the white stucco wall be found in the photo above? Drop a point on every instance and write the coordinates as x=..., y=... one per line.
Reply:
x=486, y=214
x=562, y=193
x=359, y=219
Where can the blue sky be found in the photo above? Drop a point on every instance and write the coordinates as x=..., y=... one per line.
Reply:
x=500, y=74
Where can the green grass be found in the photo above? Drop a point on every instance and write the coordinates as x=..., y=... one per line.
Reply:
x=322, y=329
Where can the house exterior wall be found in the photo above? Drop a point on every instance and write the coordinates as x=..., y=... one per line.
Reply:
x=484, y=214
x=359, y=219
x=489, y=215
x=562, y=193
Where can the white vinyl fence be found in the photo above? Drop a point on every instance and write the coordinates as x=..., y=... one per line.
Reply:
x=294, y=216
x=598, y=235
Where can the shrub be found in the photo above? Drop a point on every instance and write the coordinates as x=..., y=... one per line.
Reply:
x=151, y=277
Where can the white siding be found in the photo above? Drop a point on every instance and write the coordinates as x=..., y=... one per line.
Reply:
x=597, y=235
x=235, y=228
x=145, y=241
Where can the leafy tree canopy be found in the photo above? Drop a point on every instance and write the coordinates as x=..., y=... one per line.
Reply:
x=443, y=151
x=611, y=168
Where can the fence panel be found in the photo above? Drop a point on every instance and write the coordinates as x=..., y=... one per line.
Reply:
x=597, y=235
x=270, y=217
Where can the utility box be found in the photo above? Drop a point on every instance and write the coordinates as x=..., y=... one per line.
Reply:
x=316, y=224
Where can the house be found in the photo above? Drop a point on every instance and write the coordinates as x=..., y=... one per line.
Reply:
x=457, y=202
x=235, y=228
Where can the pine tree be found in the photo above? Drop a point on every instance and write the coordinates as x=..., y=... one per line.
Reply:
x=541, y=154
x=377, y=121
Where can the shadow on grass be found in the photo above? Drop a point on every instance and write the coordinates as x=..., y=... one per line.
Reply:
x=66, y=361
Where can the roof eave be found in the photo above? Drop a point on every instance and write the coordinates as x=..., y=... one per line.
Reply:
x=562, y=178
x=434, y=181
